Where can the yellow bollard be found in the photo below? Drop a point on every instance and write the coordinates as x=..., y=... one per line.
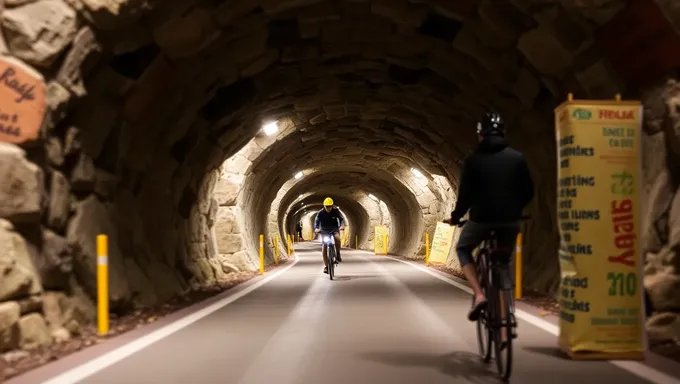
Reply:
x=261, y=254
x=387, y=245
x=518, y=267
x=288, y=244
x=427, y=249
x=103, y=284
x=276, y=250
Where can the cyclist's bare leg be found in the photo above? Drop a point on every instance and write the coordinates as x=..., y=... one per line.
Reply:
x=324, y=249
x=338, y=243
x=470, y=272
x=504, y=332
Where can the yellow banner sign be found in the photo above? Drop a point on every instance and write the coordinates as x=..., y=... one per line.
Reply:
x=598, y=217
x=441, y=243
x=380, y=240
x=345, y=237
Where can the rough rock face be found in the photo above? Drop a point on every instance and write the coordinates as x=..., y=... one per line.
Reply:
x=661, y=236
x=146, y=100
x=19, y=277
x=21, y=188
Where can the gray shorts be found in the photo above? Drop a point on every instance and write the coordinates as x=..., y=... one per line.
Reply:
x=474, y=233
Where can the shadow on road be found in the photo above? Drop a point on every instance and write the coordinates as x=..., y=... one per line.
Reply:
x=461, y=365
x=348, y=278
x=547, y=351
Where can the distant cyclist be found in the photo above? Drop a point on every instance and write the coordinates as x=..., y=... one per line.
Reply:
x=329, y=221
x=495, y=186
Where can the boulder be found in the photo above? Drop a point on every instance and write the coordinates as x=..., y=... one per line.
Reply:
x=83, y=176
x=38, y=31
x=228, y=243
x=77, y=309
x=226, y=192
x=30, y=304
x=236, y=262
x=93, y=218
x=663, y=327
x=110, y=15
x=56, y=262
x=58, y=210
x=22, y=187
x=674, y=221
x=226, y=222
x=33, y=332
x=60, y=335
x=55, y=152
x=52, y=308
x=663, y=289
x=9, y=333
x=19, y=277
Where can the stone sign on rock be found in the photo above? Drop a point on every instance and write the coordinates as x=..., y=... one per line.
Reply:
x=22, y=102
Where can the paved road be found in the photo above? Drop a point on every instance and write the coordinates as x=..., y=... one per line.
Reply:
x=381, y=321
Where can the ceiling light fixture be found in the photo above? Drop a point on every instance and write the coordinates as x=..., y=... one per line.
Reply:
x=298, y=175
x=417, y=173
x=370, y=196
x=271, y=128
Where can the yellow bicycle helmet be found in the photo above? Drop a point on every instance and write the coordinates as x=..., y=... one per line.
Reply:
x=328, y=202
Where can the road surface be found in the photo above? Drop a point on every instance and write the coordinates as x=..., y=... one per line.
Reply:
x=382, y=320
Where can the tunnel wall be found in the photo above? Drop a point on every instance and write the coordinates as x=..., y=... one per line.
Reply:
x=120, y=150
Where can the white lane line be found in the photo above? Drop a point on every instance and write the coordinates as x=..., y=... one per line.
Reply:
x=640, y=370
x=284, y=355
x=95, y=365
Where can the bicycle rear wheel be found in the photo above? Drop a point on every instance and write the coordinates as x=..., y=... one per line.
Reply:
x=484, y=334
x=503, y=349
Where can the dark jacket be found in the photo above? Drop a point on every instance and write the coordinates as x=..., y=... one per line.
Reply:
x=329, y=221
x=495, y=184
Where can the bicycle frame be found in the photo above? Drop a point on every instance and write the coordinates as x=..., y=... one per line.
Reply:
x=496, y=277
x=328, y=244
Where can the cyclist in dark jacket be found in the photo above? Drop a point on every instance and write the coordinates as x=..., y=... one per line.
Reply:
x=495, y=186
x=329, y=220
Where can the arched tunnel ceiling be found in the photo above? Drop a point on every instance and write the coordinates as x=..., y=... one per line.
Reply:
x=392, y=76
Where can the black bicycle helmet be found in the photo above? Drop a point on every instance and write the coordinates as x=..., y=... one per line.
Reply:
x=491, y=123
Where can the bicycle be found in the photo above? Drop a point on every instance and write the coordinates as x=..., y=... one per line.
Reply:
x=495, y=278
x=328, y=241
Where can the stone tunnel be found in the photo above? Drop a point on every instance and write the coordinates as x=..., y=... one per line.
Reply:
x=145, y=122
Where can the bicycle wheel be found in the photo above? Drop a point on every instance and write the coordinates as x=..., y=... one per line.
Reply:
x=483, y=331
x=330, y=253
x=503, y=350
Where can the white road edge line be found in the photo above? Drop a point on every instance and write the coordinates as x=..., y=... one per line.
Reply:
x=97, y=364
x=640, y=370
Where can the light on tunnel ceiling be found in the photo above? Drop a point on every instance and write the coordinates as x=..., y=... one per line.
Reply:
x=417, y=173
x=370, y=196
x=298, y=175
x=271, y=128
